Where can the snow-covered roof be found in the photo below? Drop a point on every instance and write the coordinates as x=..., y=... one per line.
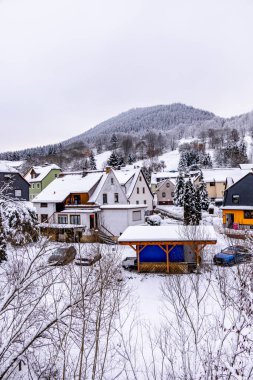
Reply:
x=163, y=175
x=61, y=187
x=12, y=164
x=41, y=171
x=5, y=168
x=168, y=233
x=173, y=181
x=238, y=207
x=124, y=176
x=221, y=174
x=246, y=166
x=61, y=226
x=79, y=211
x=123, y=206
x=99, y=187
x=133, y=182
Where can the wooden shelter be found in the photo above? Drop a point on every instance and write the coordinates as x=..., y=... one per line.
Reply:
x=168, y=248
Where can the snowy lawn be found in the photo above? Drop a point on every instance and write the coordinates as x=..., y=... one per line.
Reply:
x=163, y=326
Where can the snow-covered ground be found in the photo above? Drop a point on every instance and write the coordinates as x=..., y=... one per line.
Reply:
x=150, y=311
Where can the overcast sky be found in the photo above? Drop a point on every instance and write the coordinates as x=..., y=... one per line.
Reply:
x=66, y=65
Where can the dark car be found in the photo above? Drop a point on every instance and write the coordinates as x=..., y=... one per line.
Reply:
x=231, y=255
x=129, y=263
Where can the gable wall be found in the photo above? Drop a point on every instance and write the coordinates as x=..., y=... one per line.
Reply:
x=141, y=197
x=16, y=182
x=243, y=188
x=110, y=190
x=50, y=177
x=167, y=190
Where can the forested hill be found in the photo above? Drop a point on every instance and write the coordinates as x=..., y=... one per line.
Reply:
x=162, y=118
x=155, y=129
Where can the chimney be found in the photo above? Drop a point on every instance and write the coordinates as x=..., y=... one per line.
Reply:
x=108, y=169
x=84, y=173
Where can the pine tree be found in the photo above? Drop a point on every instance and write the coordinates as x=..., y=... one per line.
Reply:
x=121, y=161
x=114, y=142
x=197, y=206
x=93, y=165
x=204, y=200
x=183, y=164
x=206, y=161
x=179, y=191
x=189, y=204
x=130, y=159
x=243, y=152
x=113, y=160
x=86, y=165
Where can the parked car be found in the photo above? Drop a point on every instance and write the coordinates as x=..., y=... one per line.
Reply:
x=232, y=255
x=129, y=263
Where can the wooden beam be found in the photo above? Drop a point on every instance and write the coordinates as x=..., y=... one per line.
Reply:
x=167, y=259
x=138, y=258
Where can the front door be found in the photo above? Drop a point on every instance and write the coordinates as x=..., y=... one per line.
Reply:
x=229, y=220
x=92, y=221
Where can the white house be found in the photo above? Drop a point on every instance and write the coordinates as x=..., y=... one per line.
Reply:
x=136, y=188
x=95, y=201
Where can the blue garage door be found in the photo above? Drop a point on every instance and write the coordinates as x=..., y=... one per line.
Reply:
x=152, y=253
x=177, y=254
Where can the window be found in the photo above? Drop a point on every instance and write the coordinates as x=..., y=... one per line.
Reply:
x=235, y=198
x=212, y=183
x=62, y=219
x=43, y=205
x=33, y=185
x=18, y=193
x=43, y=218
x=143, y=190
x=145, y=202
x=248, y=214
x=137, y=202
x=172, y=193
x=167, y=184
x=38, y=185
x=77, y=199
x=104, y=199
x=74, y=219
x=136, y=215
x=164, y=195
x=56, y=175
x=140, y=178
x=116, y=198
x=112, y=181
x=138, y=190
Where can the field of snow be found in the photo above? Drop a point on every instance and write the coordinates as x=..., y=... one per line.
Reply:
x=169, y=315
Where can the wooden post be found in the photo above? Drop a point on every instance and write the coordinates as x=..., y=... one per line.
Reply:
x=197, y=257
x=167, y=258
x=138, y=257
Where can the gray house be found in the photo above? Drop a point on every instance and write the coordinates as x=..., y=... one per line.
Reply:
x=237, y=210
x=12, y=183
x=165, y=192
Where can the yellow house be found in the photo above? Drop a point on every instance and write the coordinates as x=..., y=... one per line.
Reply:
x=216, y=181
x=237, y=210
